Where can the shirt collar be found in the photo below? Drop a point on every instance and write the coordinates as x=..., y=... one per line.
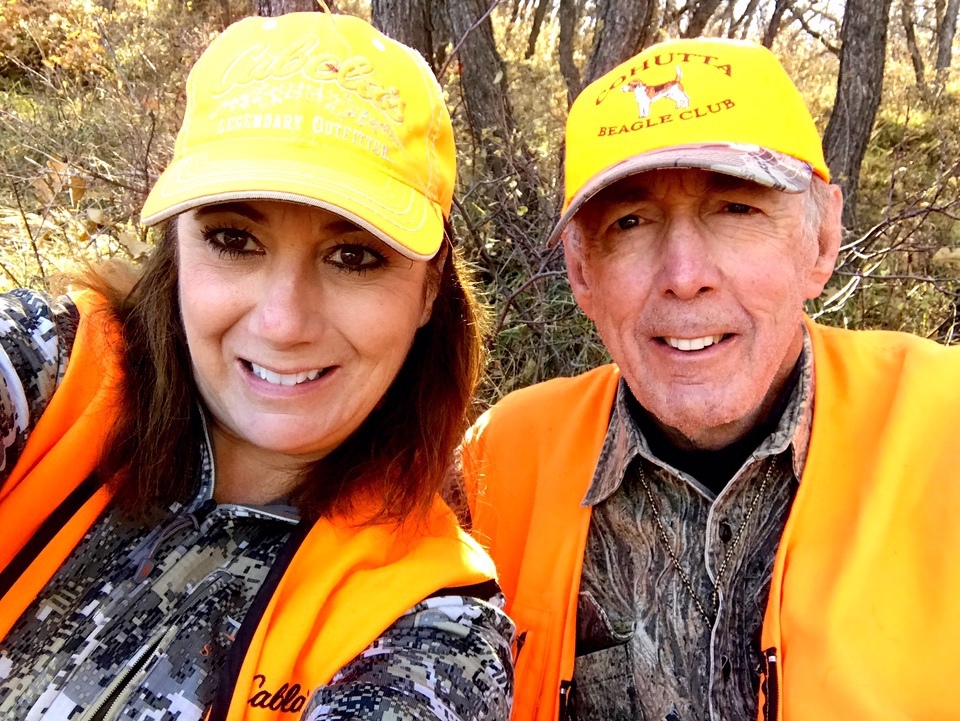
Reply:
x=207, y=482
x=624, y=441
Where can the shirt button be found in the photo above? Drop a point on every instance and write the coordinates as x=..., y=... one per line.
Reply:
x=726, y=533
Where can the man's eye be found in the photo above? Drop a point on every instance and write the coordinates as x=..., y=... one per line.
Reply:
x=739, y=208
x=355, y=257
x=628, y=221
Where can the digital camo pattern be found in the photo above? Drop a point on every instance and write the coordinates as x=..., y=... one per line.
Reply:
x=172, y=596
x=142, y=618
x=447, y=659
x=644, y=651
x=36, y=334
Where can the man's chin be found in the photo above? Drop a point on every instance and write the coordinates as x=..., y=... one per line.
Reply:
x=699, y=423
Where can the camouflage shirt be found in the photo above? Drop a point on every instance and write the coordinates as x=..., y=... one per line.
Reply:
x=138, y=622
x=644, y=649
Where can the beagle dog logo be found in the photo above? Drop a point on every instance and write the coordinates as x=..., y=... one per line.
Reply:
x=647, y=95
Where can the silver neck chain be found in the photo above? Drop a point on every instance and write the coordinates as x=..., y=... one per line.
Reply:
x=710, y=618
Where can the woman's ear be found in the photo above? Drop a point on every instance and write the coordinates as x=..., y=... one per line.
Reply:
x=432, y=285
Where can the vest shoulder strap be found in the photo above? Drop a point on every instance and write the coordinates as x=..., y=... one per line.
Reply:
x=529, y=462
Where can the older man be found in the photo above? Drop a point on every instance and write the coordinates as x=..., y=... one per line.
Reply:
x=748, y=514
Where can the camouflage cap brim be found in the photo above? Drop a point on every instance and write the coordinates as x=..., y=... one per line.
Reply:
x=750, y=162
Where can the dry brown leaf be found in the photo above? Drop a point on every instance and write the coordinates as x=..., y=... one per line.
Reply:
x=947, y=256
x=78, y=186
x=58, y=166
x=43, y=190
x=133, y=244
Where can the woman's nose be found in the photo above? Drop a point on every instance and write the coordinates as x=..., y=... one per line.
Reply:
x=286, y=306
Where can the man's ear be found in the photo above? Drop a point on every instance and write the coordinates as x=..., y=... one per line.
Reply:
x=829, y=238
x=576, y=270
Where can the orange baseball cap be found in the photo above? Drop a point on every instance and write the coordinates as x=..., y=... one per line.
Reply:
x=318, y=109
x=721, y=105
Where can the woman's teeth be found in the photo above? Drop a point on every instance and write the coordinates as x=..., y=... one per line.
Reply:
x=282, y=379
x=693, y=343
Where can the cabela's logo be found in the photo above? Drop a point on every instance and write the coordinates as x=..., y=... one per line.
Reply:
x=286, y=699
x=647, y=95
x=307, y=60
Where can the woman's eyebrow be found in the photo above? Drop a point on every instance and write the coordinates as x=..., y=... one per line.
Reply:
x=342, y=225
x=243, y=209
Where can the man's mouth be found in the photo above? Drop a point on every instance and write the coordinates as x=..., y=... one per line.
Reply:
x=691, y=344
x=285, y=379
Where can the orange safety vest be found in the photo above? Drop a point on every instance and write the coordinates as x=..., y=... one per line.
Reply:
x=344, y=586
x=863, y=619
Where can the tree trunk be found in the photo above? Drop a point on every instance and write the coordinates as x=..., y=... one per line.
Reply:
x=623, y=29
x=538, y=16
x=743, y=22
x=945, y=32
x=773, y=27
x=407, y=21
x=225, y=17
x=273, y=8
x=702, y=11
x=915, y=57
x=863, y=35
x=728, y=20
x=503, y=157
x=568, y=17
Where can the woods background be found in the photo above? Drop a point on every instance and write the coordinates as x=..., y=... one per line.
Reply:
x=92, y=94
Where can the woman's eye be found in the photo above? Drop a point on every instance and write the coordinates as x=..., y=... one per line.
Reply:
x=232, y=241
x=628, y=221
x=355, y=257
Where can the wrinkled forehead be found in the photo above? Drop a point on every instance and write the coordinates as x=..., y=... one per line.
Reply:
x=661, y=183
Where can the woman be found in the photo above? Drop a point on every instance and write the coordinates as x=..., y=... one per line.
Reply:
x=219, y=487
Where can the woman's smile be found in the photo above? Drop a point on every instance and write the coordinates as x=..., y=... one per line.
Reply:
x=277, y=384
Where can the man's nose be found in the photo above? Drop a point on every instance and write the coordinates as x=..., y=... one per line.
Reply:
x=686, y=268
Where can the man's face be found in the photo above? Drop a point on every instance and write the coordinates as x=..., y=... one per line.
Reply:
x=696, y=282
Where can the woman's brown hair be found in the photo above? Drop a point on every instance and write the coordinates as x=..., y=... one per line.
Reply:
x=399, y=454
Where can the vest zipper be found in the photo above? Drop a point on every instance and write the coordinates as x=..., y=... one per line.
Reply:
x=771, y=703
x=108, y=705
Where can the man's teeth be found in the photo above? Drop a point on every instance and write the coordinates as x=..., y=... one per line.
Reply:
x=693, y=343
x=281, y=379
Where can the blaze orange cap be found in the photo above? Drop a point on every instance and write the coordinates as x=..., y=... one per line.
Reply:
x=721, y=105
x=318, y=109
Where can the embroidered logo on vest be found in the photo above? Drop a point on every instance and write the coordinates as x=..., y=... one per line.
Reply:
x=286, y=699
